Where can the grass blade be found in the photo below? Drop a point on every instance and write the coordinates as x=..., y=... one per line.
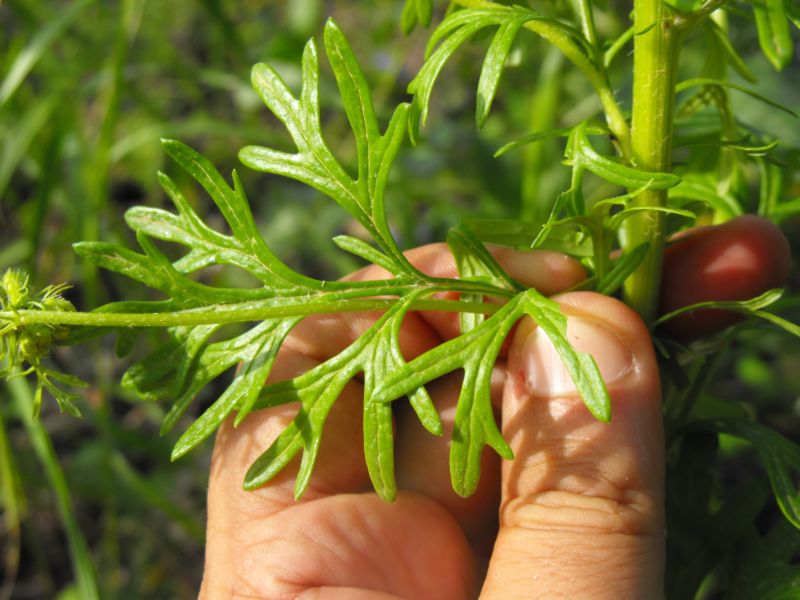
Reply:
x=22, y=399
x=12, y=501
x=28, y=58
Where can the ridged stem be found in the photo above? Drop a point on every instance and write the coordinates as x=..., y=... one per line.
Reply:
x=655, y=63
x=233, y=315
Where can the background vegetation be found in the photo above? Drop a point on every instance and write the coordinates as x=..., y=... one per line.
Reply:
x=87, y=88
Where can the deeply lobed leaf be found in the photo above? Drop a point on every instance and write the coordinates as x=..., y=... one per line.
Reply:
x=203, y=347
x=475, y=352
x=314, y=163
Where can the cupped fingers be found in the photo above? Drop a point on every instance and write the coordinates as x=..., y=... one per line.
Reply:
x=340, y=464
x=422, y=459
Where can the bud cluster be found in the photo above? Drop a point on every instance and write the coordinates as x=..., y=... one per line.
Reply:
x=23, y=345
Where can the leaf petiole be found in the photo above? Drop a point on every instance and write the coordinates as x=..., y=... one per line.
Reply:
x=223, y=314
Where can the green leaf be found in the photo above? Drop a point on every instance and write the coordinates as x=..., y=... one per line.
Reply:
x=616, y=220
x=408, y=18
x=780, y=457
x=126, y=339
x=314, y=163
x=66, y=378
x=755, y=150
x=382, y=359
x=787, y=326
x=617, y=45
x=705, y=81
x=422, y=85
x=65, y=400
x=181, y=368
x=242, y=393
x=493, y=64
x=703, y=188
x=720, y=37
x=773, y=32
x=424, y=11
x=245, y=247
x=161, y=374
x=461, y=25
x=623, y=267
x=363, y=250
x=202, y=363
x=475, y=352
x=377, y=354
x=474, y=262
x=416, y=11
x=591, y=128
x=752, y=307
x=521, y=234
x=154, y=270
x=580, y=365
x=771, y=187
x=532, y=138
x=583, y=155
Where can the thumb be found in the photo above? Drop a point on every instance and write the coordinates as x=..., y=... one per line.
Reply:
x=582, y=503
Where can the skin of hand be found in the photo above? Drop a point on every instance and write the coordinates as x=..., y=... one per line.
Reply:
x=577, y=514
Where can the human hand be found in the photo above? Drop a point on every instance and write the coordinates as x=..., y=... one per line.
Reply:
x=577, y=514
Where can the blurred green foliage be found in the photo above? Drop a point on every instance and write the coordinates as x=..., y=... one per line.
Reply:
x=87, y=89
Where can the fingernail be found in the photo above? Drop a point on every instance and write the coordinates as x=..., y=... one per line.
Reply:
x=546, y=374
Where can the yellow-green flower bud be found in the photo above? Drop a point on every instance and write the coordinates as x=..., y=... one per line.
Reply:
x=15, y=288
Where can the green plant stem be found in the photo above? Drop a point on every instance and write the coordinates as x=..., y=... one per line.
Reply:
x=655, y=62
x=602, y=253
x=22, y=399
x=244, y=313
x=593, y=69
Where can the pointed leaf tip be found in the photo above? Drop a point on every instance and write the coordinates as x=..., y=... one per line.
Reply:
x=170, y=143
x=332, y=25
